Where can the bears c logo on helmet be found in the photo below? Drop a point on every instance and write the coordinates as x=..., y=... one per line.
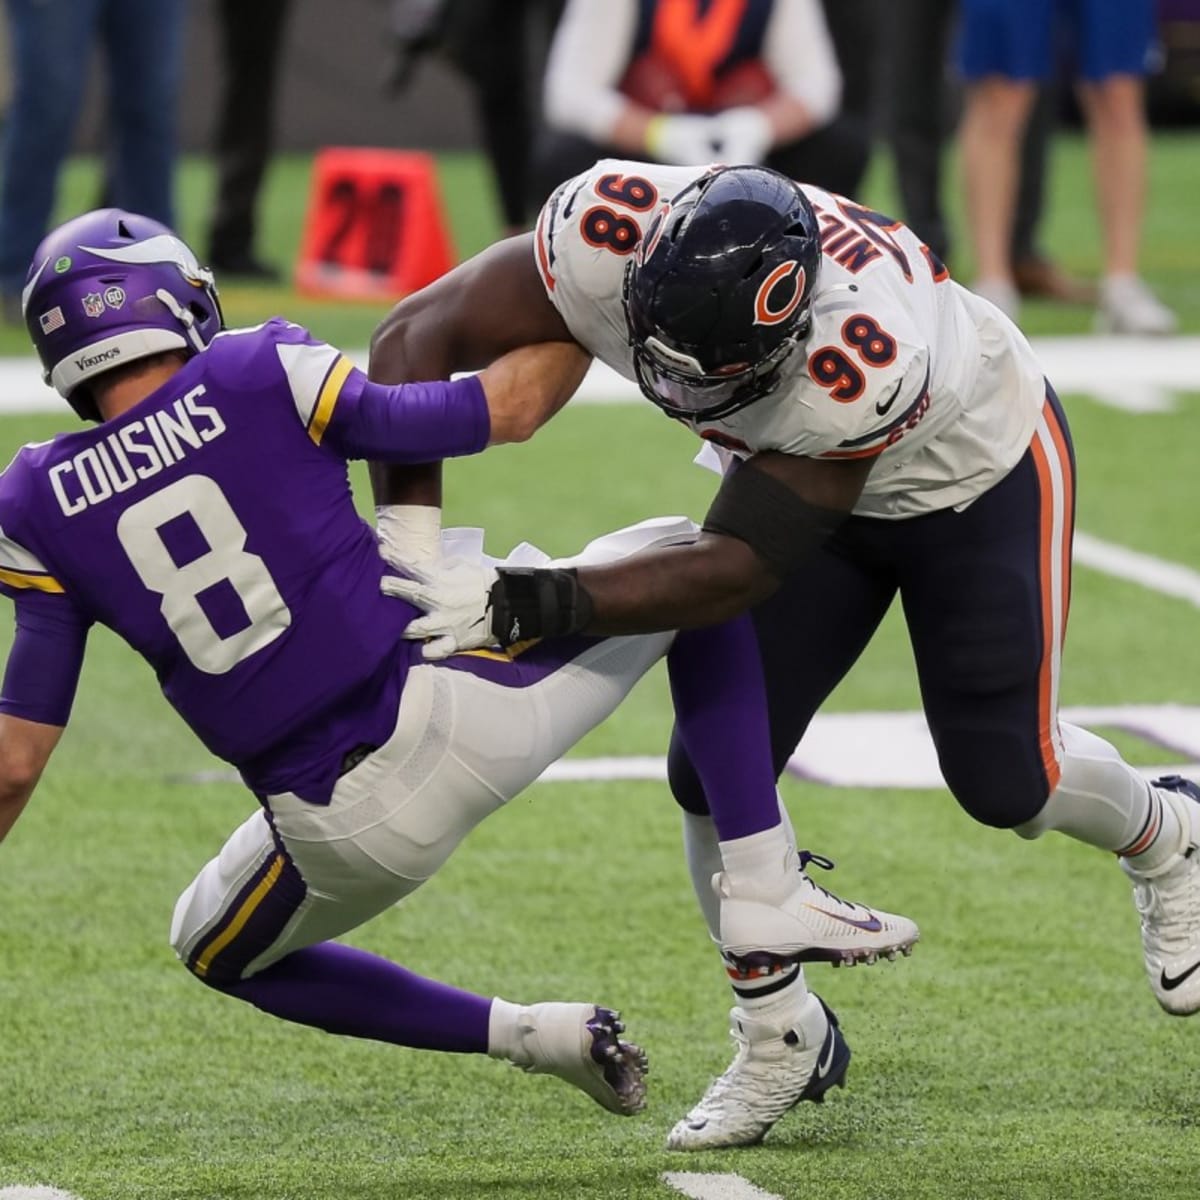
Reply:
x=764, y=314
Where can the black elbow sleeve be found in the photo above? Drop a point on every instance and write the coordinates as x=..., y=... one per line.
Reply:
x=779, y=526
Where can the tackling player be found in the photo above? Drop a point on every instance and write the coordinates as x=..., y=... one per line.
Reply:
x=882, y=431
x=207, y=519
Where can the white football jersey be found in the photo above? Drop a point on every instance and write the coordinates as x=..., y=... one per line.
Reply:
x=901, y=364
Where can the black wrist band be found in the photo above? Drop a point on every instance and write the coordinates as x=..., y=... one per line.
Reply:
x=527, y=603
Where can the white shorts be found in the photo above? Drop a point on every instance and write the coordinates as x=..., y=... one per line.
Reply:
x=470, y=734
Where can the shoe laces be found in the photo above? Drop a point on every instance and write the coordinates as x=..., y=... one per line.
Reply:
x=1168, y=902
x=826, y=864
x=749, y=1084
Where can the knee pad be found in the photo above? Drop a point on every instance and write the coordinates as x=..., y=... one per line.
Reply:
x=996, y=775
x=683, y=780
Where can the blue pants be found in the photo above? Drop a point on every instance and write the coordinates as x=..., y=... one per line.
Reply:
x=52, y=45
x=985, y=593
x=1019, y=38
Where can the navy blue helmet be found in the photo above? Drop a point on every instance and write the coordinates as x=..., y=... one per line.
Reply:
x=720, y=290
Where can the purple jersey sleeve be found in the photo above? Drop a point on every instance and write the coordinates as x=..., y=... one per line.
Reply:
x=47, y=651
x=351, y=416
x=45, y=660
x=408, y=422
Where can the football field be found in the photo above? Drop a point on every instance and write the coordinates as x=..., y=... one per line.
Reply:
x=1017, y=1055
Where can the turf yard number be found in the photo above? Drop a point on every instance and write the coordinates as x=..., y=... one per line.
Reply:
x=379, y=210
x=225, y=561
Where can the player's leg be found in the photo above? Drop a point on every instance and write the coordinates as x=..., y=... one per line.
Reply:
x=789, y=1048
x=809, y=633
x=986, y=594
x=257, y=922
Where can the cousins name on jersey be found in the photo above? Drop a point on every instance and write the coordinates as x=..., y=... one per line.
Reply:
x=138, y=450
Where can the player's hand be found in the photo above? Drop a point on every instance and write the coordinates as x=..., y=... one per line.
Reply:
x=684, y=139
x=454, y=595
x=744, y=135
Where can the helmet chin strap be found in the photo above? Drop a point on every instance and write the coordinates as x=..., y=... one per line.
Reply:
x=184, y=316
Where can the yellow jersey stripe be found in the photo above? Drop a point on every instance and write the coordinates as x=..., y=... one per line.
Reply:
x=243, y=915
x=504, y=655
x=41, y=583
x=330, y=390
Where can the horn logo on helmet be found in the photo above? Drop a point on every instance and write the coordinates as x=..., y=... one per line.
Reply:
x=764, y=314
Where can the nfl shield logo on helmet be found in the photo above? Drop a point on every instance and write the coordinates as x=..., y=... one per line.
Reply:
x=93, y=304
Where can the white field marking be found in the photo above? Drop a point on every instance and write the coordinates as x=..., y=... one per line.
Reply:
x=879, y=750
x=35, y=1192
x=1157, y=574
x=715, y=1187
x=1134, y=374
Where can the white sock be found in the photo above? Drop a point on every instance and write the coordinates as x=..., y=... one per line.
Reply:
x=703, y=853
x=777, y=986
x=1103, y=801
x=706, y=855
x=760, y=864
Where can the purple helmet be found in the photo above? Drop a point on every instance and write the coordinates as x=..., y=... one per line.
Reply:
x=111, y=287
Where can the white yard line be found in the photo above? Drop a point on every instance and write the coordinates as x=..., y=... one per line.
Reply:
x=1127, y=373
x=35, y=1193
x=715, y=1187
x=902, y=753
x=1155, y=574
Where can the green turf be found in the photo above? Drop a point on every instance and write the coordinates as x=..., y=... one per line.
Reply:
x=1017, y=1056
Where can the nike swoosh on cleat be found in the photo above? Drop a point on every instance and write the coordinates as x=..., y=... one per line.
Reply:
x=1169, y=984
x=827, y=1062
x=874, y=925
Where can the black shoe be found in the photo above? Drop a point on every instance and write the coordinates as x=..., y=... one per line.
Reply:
x=244, y=266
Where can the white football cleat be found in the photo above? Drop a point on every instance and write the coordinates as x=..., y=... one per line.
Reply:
x=808, y=924
x=1168, y=900
x=581, y=1043
x=779, y=1062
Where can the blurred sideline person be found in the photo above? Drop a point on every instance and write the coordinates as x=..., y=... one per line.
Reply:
x=207, y=519
x=1007, y=48
x=51, y=44
x=919, y=36
x=252, y=38
x=746, y=81
x=881, y=432
x=490, y=42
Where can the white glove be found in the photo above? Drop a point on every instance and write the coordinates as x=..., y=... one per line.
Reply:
x=743, y=135
x=684, y=139
x=453, y=594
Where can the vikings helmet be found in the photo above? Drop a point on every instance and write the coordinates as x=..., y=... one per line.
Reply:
x=720, y=290
x=111, y=287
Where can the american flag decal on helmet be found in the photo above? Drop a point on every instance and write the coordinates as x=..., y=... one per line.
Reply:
x=52, y=319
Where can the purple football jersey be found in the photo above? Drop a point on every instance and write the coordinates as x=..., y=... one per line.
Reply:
x=212, y=526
